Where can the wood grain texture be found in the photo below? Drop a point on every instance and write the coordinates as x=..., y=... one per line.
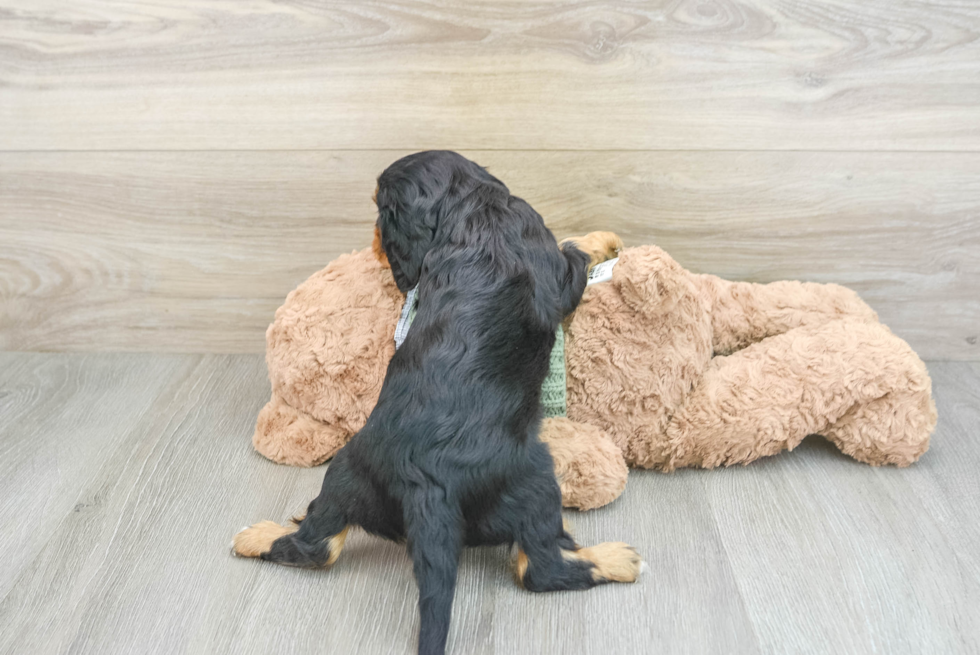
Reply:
x=688, y=601
x=817, y=520
x=56, y=433
x=193, y=252
x=806, y=552
x=666, y=74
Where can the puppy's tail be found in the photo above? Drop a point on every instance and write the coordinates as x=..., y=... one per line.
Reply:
x=435, y=538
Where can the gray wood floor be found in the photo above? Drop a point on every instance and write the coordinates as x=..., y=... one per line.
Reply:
x=123, y=478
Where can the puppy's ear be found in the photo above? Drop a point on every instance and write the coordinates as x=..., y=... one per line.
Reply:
x=574, y=277
x=407, y=221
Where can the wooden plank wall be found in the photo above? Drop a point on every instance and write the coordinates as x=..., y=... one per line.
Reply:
x=169, y=171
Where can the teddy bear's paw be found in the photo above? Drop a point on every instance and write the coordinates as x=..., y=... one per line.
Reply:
x=257, y=540
x=611, y=561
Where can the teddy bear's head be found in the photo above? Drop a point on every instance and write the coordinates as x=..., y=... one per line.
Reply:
x=649, y=282
x=329, y=346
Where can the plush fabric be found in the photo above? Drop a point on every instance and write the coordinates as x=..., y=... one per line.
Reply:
x=692, y=370
x=664, y=369
x=327, y=352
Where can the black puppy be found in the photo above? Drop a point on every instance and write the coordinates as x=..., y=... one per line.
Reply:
x=450, y=456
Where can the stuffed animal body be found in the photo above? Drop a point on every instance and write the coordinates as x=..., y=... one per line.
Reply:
x=664, y=368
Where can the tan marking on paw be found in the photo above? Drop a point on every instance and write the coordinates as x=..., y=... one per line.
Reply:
x=599, y=246
x=520, y=563
x=612, y=561
x=336, y=544
x=256, y=540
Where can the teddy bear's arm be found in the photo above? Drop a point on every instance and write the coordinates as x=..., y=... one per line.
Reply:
x=743, y=313
x=290, y=436
x=589, y=467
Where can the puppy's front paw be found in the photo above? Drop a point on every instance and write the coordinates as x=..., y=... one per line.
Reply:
x=612, y=561
x=257, y=540
x=599, y=246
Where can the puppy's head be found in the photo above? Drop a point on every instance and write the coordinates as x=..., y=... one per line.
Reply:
x=420, y=198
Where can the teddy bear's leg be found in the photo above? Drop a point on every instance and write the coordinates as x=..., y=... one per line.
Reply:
x=850, y=380
x=289, y=436
x=590, y=468
x=744, y=312
x=893, y=429
x=599, y=246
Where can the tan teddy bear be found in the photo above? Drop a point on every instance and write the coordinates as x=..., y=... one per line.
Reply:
x=664, y=369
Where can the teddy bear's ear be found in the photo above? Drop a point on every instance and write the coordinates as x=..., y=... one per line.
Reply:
x=649, y=281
